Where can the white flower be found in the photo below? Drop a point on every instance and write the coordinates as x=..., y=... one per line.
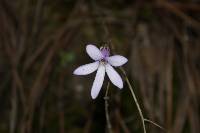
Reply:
x=103, y=64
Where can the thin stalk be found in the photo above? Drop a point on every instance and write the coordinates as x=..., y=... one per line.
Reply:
x=147, y=120
x=130, y=87
x=106, y=109
x=135, y=99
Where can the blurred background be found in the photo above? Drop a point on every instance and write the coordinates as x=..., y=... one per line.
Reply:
x=43, y=41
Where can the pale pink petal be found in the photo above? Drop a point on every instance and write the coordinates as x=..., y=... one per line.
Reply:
x=86, y=69
x=117, y=60
x=98, y=81
x=114, y=77
x=94, y=52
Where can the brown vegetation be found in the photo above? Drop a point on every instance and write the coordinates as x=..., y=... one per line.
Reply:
x=42, y=41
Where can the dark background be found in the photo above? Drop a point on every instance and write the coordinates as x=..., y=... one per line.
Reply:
x=43, y=41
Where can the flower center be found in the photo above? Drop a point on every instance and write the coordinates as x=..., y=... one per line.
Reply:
x=106, y=53
x=103, y=61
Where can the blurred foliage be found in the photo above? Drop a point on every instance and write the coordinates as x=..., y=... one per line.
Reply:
x=66, y=58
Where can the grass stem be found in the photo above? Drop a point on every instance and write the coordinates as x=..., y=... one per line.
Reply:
x=106, y=98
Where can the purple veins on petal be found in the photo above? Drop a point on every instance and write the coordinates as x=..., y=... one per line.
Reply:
x=105, y=52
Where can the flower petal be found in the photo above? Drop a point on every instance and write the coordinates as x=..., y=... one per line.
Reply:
x=94, y=52
x=117, y=60
x=114, y=76
x=86, y=69
x=98, y=81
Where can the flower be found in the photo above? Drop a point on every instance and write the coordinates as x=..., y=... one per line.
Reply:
x=104, y=63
